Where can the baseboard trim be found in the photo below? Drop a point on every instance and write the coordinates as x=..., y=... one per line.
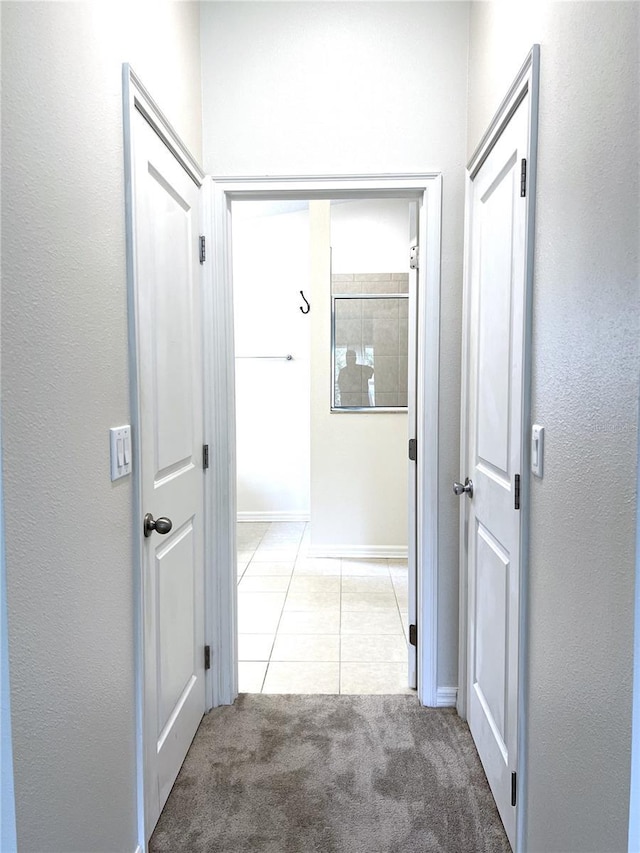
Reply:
x=360, y=552
x=446, y=697
x=273, y=516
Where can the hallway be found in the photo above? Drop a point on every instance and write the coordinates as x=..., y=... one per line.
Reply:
x=317, y=625
x=332, y=774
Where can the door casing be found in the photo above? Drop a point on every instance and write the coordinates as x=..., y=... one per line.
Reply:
x=526, y=81
x=221, y=603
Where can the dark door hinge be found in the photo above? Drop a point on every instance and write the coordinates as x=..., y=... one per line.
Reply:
x=413, y=449
x=523, y=178
x=203, y=250
x=516, y=492
x=413, y=635
x=205, y=456
x=513, y=789
x=207, y=657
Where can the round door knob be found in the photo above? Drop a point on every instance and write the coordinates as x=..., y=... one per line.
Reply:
x=160, y=525
x=467, y=488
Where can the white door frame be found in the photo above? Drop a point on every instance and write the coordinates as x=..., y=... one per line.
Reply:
x=221, y=600
x=136, y=98
x=527, y=81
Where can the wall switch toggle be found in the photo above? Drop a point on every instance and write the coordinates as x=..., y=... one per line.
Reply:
x=120, y=439
x=537, y=449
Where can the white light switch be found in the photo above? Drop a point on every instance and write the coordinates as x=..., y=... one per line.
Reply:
x=120, y=438
x=537, y=449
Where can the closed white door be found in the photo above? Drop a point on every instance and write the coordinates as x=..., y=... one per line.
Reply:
x=494, y=407
x=166, y=227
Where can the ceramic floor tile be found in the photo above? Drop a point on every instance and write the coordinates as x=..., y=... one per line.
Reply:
x=382, y=622
x=403, y=600
x=274, y=555
x=259, y=612
x=317, y=566
x=314, y=583
x=255, y=646
x=366, y=601
x=320, y=601
x=250, y=676
x=404, y=616
x=261, y=601
x=267, y=569
x=398, y=570
x=366, y=584
x=365, y=568
x=307, y=647
x=374, y=678
x=296, y=622
x=302, y=678
x=390, y=648
x=264, y=583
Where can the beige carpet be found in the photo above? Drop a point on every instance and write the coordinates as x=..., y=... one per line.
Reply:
x=332, y=774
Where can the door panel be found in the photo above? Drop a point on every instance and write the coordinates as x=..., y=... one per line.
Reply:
x=494, y=450
x=167, y=216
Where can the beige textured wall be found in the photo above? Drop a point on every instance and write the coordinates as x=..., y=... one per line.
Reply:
x=64, y=383
x=585, y=390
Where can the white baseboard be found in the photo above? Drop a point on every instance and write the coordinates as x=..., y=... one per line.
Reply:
x=360, y=552
x=273, y=516
x=446, y=697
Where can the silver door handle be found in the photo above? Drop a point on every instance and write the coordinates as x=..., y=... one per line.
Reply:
x=160, y=525
x=459, y=489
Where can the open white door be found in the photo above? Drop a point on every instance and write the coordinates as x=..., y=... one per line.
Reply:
x=497, y=281
x=412, y=536
x=166, y=275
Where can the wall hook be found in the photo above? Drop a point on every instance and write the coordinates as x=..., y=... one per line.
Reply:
x=307, y=304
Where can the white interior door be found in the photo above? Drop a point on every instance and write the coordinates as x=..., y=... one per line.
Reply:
x=166, y=221
x=494, y=405
x=412, y=423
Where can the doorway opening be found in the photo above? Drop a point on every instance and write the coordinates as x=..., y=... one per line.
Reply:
x=322, y=425
x=222, y=592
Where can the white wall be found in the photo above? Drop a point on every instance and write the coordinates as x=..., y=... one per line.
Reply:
x=64, y=383
x=270, y=268
x=359, y=469
x=338, y=88
x=585, y=389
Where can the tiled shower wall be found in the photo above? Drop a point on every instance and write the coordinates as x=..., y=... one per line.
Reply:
x=379, y=326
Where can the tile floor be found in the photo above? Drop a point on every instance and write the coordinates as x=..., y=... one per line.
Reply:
x=317, y=625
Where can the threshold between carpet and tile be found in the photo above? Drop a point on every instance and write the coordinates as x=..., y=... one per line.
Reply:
x=330, y=774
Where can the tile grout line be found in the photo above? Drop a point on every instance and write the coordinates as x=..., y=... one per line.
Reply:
x=284, y=603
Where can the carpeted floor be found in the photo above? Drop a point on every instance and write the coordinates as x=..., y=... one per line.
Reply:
x=332, y=774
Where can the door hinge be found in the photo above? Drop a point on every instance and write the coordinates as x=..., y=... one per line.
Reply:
x=414, y=257
x=413, y=635
x=516, y=492
x=203, y=249
x=523, y=178
x=413, y=449
x=513, y=788
x=205, y=456
x=207, y=657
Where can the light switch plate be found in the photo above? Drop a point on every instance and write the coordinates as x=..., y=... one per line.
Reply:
x=537, y=449
x=120, y=443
